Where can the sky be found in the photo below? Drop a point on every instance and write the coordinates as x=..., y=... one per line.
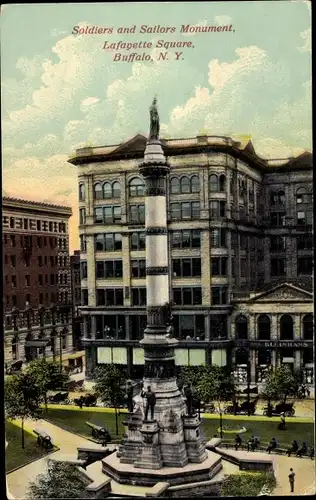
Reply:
x=62, y=90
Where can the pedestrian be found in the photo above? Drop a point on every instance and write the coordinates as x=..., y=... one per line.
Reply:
x=282, y=422
x=249, y=445
x=292, y=480
x=312, y=452
x=238, y=442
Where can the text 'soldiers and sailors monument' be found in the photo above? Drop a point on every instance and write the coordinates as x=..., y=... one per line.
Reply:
x=162, y=432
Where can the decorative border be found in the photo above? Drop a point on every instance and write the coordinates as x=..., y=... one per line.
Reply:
x=156, y=230
x=155, y=271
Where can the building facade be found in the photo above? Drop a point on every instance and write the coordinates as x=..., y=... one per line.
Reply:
x=37, y=286
x=76, y=299
x=239, y=236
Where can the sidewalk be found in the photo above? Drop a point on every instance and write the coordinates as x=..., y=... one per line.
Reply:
x=304, y=476
x=68, y=443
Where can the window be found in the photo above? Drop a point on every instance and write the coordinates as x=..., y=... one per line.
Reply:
x=138, y=296
x=277, y=219
x=303, y=197
x=116, y=189
x=264, y=327
x=13, y=281
x=189, y=327
x=136, y=187
x=195, y=184
x=138, y=241
x=305, y=265
x=186, y=267
x=251, y=192
x=14, y=301
x=241, y=327
x=286, y=327
x=277, y=243
x=12, y=222
x=219, y=237
x=304, y=218
x=137, y=213
x=27, y=280
x=243, y=241
x=219, y=266
x=83, y=243
x=281, y=197
x=138, y=268
x=40, y=279
x=242, y=188
x=12, y=240
x=82, y=216
x=304, y=242
x=109, y=269
x=81, y=192
x=217, y=208
x=222, y=183
x=185, y=210
x=218, y=327
x=108, y=242
x=41, y=300
x=107, y=215
x=175, y=185
x=187, y=238
x=13, y=260
x=137, y=326
x=185, y=185
x=219, y=295
x=187, y=296
x=277, y=267
x=107, y=190
x=98, y=194
x=110, y=297
x=83, y=269
x=84, y=296
x=213, y=183
x=308, y=327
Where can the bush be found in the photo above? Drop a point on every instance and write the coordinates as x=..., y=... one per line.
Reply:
x=247, y=484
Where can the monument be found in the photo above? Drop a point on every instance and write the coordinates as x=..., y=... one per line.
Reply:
x=163, y=440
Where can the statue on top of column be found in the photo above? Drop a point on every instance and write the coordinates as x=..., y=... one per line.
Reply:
x=154, y=121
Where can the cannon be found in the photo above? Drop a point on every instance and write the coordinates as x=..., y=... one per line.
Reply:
x=43, y=439
x=99, y=432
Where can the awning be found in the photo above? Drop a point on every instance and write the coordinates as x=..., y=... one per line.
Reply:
x=36, y=343
x=76, y=355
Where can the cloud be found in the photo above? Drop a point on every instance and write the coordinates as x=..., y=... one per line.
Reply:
x=89, y=101
x=273, y=148
x=307, y=38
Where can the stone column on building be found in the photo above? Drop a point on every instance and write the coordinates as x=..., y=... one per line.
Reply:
x=207, y=328
x=93, y=327
x=91, y=279
x=127, y=268
x=253, y=365
x=266, y=259
x=297, y=359
x=206, y=278
x=123, y=198
x=297, y=327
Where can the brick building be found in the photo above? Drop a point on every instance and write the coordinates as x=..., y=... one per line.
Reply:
x=76, y=298
x=240, y=250
x=37, y=287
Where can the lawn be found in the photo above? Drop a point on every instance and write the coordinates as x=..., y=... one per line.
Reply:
x=15, y=456
x=74, y=421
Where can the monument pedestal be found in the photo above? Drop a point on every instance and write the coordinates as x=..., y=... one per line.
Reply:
x=192, y=436
x=132, y=442
x=149, y=455
x=171, y=440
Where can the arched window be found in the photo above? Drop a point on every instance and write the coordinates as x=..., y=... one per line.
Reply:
x=195, y=184
x=185, y=185
x=213, y=183
x=222, y=183
x=175, y=185
x=264, y=327
x=241, y=325
x=116, y=189
x=308, y=327
x=281, y=197
x=81, y=192
x=15, y=348
x=136, y=187
x=107, y=190
x=286, y=327
x=301, y=195
x=98, y=191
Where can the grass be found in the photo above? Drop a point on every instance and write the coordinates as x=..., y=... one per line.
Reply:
x=15, y=456
x=264, y=428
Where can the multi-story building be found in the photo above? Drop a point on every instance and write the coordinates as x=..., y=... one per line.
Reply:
x=76, y=298
x=240, y=252
x=37, y=287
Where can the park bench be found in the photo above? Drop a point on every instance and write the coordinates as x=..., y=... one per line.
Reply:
x=98, y=432
x=262, y=448
x=43, y=439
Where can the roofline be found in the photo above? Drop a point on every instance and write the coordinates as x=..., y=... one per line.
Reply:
x=8, y=202
x=225, y=144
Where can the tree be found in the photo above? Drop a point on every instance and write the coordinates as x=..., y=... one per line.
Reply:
x=110, y=386
x=216, y=384
x=61, y=480
x=191, y=374
x=22, y=398
x=48, y=376
x=280, y=384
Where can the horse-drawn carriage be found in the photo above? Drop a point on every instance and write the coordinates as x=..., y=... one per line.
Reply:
x=87, y=400
x=275, y=411
x=245, y=408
